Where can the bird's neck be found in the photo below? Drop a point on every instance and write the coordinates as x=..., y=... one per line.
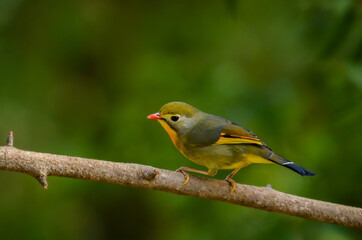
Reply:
x=172, y=133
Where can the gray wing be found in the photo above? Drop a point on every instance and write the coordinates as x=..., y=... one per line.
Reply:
x=205, y=132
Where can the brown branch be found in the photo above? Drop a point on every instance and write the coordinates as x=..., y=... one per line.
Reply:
x=42, y=165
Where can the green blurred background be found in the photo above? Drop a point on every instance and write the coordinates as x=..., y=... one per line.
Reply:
x=79, y=78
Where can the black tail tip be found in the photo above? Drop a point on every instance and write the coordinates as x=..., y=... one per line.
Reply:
x=296, y=168
x=308, y=173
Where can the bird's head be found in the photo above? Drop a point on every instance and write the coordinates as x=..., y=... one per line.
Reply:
x=177, y=116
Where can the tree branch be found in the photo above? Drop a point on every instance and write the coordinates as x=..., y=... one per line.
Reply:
x=42, y=165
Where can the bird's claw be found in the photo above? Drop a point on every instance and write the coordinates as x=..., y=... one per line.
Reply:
x=187, y=176
x=232, y=183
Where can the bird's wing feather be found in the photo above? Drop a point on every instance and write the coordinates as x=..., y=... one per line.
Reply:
x=235, y=134
x=204, y=133
x=214, y=130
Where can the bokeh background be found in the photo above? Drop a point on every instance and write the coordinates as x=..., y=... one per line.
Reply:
x=79, y=78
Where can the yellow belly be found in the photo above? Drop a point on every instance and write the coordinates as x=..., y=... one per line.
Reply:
x=252, y=158
x=247, y=160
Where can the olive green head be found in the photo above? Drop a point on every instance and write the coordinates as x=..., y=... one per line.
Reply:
x=178, y=116
x=178, y=108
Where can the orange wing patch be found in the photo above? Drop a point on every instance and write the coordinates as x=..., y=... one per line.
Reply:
x=237, y=139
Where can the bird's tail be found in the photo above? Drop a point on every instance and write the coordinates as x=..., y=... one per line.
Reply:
x=285, y=163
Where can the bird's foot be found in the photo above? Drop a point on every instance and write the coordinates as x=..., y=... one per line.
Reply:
x=183, y=171
x=232, y=183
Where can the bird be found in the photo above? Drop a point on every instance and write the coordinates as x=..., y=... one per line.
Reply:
x=215, y=143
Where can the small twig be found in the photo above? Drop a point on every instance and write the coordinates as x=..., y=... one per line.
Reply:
x=10, y=140
x=42, y=179
x=41, y=165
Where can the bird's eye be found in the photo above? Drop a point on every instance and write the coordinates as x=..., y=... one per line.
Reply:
x=175, y=118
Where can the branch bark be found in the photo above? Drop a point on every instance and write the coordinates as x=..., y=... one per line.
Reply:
x=42, y=165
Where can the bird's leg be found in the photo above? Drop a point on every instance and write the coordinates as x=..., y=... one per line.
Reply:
x=229, y=179
x=185, y=170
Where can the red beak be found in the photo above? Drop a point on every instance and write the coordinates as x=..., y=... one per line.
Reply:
x=155, y=116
